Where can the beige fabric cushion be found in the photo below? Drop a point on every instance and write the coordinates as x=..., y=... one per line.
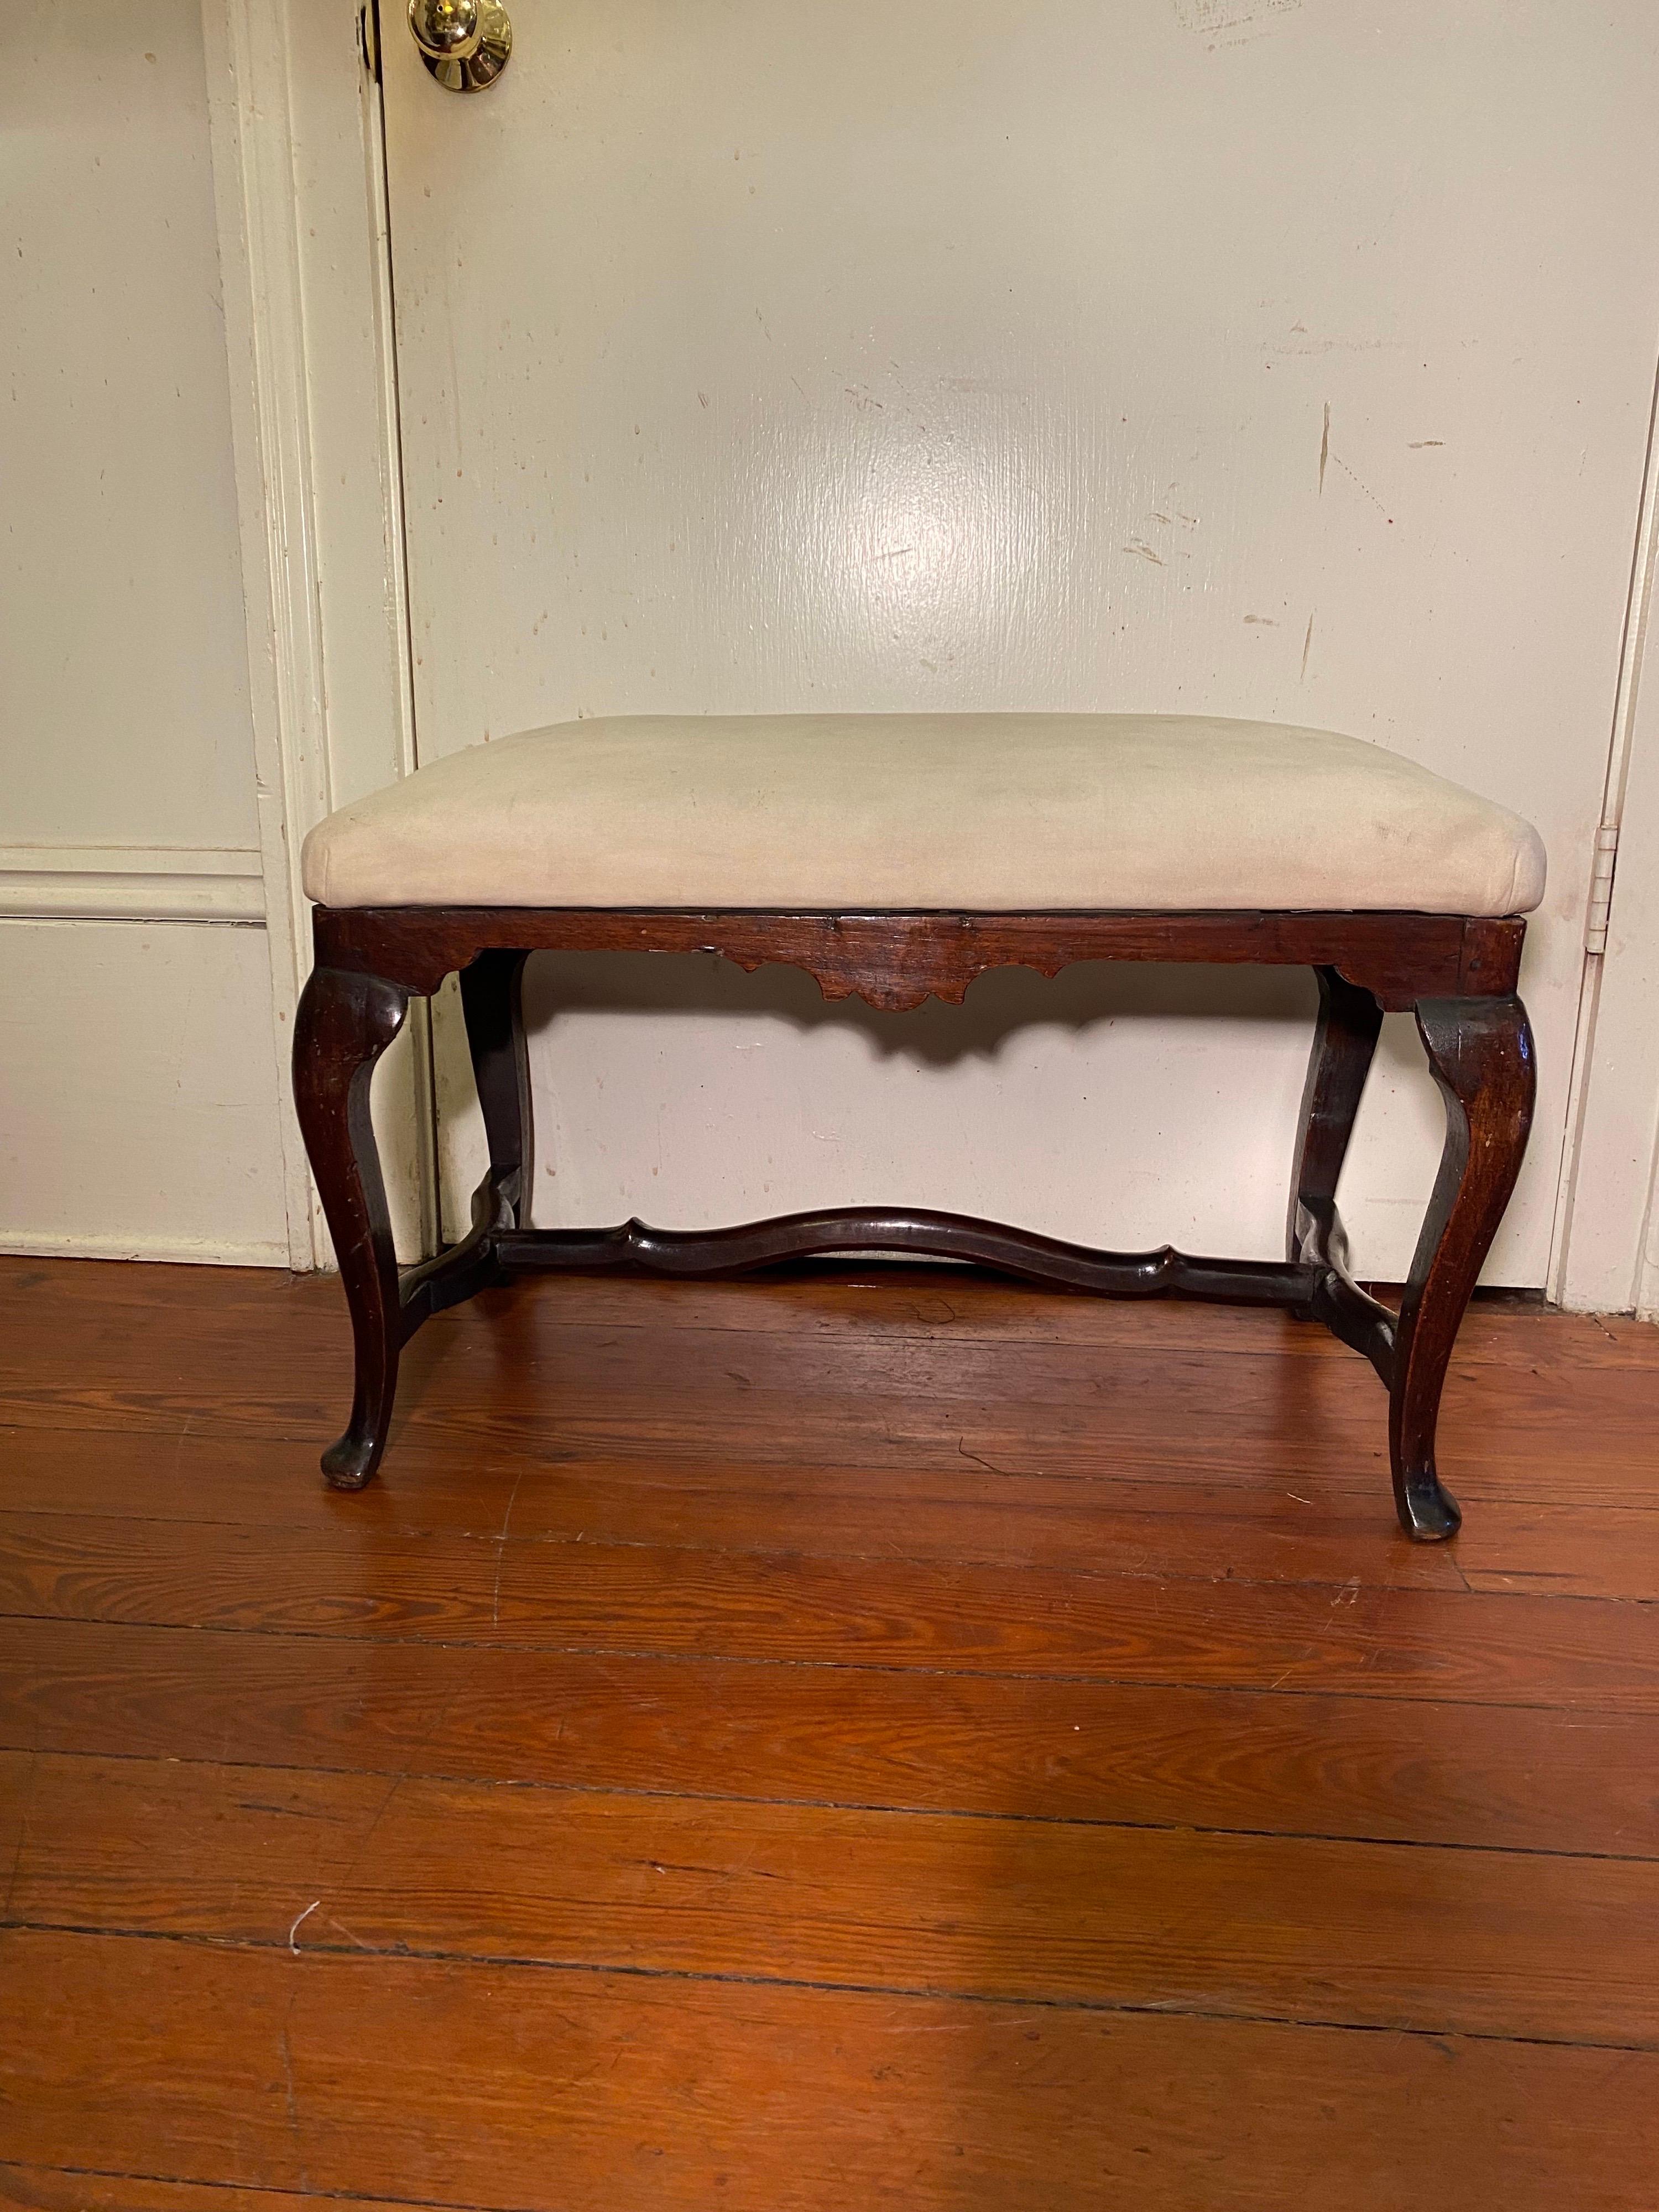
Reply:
x=994, y=811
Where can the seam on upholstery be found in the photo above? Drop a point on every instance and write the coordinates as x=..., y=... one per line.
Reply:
x=1536, y=842
x=1523, y=849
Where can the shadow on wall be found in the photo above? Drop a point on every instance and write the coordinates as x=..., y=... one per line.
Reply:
x=1103, y=1104
x=1116, y=1105
x=997, y=1006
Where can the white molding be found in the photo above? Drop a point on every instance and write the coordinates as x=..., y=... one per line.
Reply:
x=1606, y=1205
x=305, y=263
x=49, y=1244
x=264, y=338
x=108, y=882
x=346, y=256
x=1647, y=1287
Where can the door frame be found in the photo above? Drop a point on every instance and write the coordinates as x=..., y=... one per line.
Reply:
x=300, y=181
x=305, y=268
x=1605, y=1251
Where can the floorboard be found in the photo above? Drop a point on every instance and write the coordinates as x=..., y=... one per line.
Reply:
x=1254, y=1927
x=56, y=2188
x=857, y=1738
x=1488, y=1648
x=501, y=2086
x=1279, y=1762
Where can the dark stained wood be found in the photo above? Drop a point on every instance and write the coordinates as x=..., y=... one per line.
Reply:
x=1345, y=1042
x=492, y=1001
x=459, y=1272
x=1481, y=1052
x=1019, y=1252
x=1267, y=1927
x=895, y=961
x=344, y=1023
x=369, y=959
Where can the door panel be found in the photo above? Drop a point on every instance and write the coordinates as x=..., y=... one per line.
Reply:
x=139, y=1101
x=1291, y=362
x=139, y=1088
x=121, y=635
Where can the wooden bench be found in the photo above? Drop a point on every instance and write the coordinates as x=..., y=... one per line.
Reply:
x=896, y=857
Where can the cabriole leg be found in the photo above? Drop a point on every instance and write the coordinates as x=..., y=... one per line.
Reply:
x=491, y=1000
x=1480, y=1051
x=1344, y=1042
x=344, y=1023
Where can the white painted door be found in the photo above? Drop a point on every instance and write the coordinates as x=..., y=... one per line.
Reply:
x=1249, y=357
x=139, y=1078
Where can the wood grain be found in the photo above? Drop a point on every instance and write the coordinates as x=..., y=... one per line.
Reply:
x=882, y=1399
x=1486, y=1064
x=895, y=961
x=1015, y=1769
x=1285, y=1763
x=1135, y=1522
x=1369, y=1934
x=45, y=2188
x=967, y=1513
x=577, y=2092
x=1410, y=1643
x=341, y=1026
x=122, y=1311
x=1458, y=974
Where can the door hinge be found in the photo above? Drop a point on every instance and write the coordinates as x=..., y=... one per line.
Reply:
x=1604, y=862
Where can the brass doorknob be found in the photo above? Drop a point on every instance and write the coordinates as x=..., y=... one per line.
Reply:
x=465, y=43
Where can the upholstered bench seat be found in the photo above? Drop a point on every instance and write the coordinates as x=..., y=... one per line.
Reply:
x=899, y=857
x=988, y=813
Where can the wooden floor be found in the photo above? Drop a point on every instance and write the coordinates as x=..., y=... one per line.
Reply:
x=860, y=1741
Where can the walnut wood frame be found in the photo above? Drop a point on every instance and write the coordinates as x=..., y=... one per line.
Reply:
x=1457, y=974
